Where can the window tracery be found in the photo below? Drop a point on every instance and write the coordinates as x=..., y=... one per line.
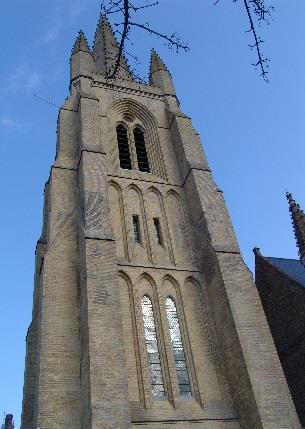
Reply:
x=178, y=349
x=153, y=355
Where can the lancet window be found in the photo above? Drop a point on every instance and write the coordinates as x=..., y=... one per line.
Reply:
x=158, y=233
x=153, y=355
x=132, y=149
x=141, y=150
x=123, y=145
x=136, y=228
x=178, y=349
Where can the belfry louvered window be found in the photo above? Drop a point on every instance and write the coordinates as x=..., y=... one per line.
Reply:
x=178, y=349
x=142, y=158
x=123, y=145
x=153, y=355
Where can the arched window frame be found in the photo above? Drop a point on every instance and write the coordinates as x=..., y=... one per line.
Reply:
x=125, y=126
x=130, y=128
x=184, y=366
x=140, y=128
x=157, y=360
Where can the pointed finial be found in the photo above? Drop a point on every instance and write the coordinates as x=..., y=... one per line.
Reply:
x=257, y=251
x=156, y=63
x=81, y=44
x=298, y=222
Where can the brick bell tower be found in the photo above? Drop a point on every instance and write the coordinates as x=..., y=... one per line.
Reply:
x=144, y=313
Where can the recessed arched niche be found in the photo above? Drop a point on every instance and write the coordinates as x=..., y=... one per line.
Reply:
x=178, y=230
x=135, y=116
x=130, y=338
x=211, y=382
x=157, y=227
x=136, y=227
x=117, y=219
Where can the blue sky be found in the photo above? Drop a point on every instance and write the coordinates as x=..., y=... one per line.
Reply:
x=252, y=132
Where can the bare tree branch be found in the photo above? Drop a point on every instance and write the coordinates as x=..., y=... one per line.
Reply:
x=262, y=62
x=257, y=12
x=172, y=40
x=262, y=13
x=124, y=8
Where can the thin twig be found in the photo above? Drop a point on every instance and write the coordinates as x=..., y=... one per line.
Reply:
x=261, y=61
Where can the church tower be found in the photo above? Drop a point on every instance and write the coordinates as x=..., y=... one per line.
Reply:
x=144, y=314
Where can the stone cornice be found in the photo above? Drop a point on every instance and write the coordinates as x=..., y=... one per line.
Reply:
x=130, y=88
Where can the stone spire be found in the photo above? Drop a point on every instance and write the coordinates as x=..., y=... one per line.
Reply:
x=81, y=44
x=298, y=221
x=106, y=49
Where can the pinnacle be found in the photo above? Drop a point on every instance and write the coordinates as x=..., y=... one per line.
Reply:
x=81, y=44
x=289, y=198
x=106, y=48
x=103, y=25
x=156, y=63
x=298, y=221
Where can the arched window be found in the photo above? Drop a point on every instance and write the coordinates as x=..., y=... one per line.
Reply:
x=124, y=153
x=178, y=349
x=153, y=355
x=142, y=158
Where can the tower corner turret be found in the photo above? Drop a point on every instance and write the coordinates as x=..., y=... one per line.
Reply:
x=81, y=61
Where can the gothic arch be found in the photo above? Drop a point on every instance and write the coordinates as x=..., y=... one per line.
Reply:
x=152, y=293
x=192, y=279
x=177, y=298
x=136, y=188
x=118, y=219
x=137, y=208
x=125, y=276
x=201, y=333
x=162, y=251
x=139, y=115
x=150, y=280
x=154, y=297
x=178, y=229
x=131, y=339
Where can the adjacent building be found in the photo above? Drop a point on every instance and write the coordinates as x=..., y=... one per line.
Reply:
x=281, y=286
x=8, y=422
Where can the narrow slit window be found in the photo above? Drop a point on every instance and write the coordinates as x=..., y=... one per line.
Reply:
x=136, y=228
x=142, y=158
x=158, y=230
x=178, y=349
x=124, y=152
x=153, y=355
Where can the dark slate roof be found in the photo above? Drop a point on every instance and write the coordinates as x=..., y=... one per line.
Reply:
x=291, y=267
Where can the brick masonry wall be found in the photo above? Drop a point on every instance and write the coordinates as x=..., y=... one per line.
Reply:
x=91, y=355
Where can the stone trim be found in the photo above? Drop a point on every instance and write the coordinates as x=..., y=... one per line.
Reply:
x=120, y=88
x=153, y=267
